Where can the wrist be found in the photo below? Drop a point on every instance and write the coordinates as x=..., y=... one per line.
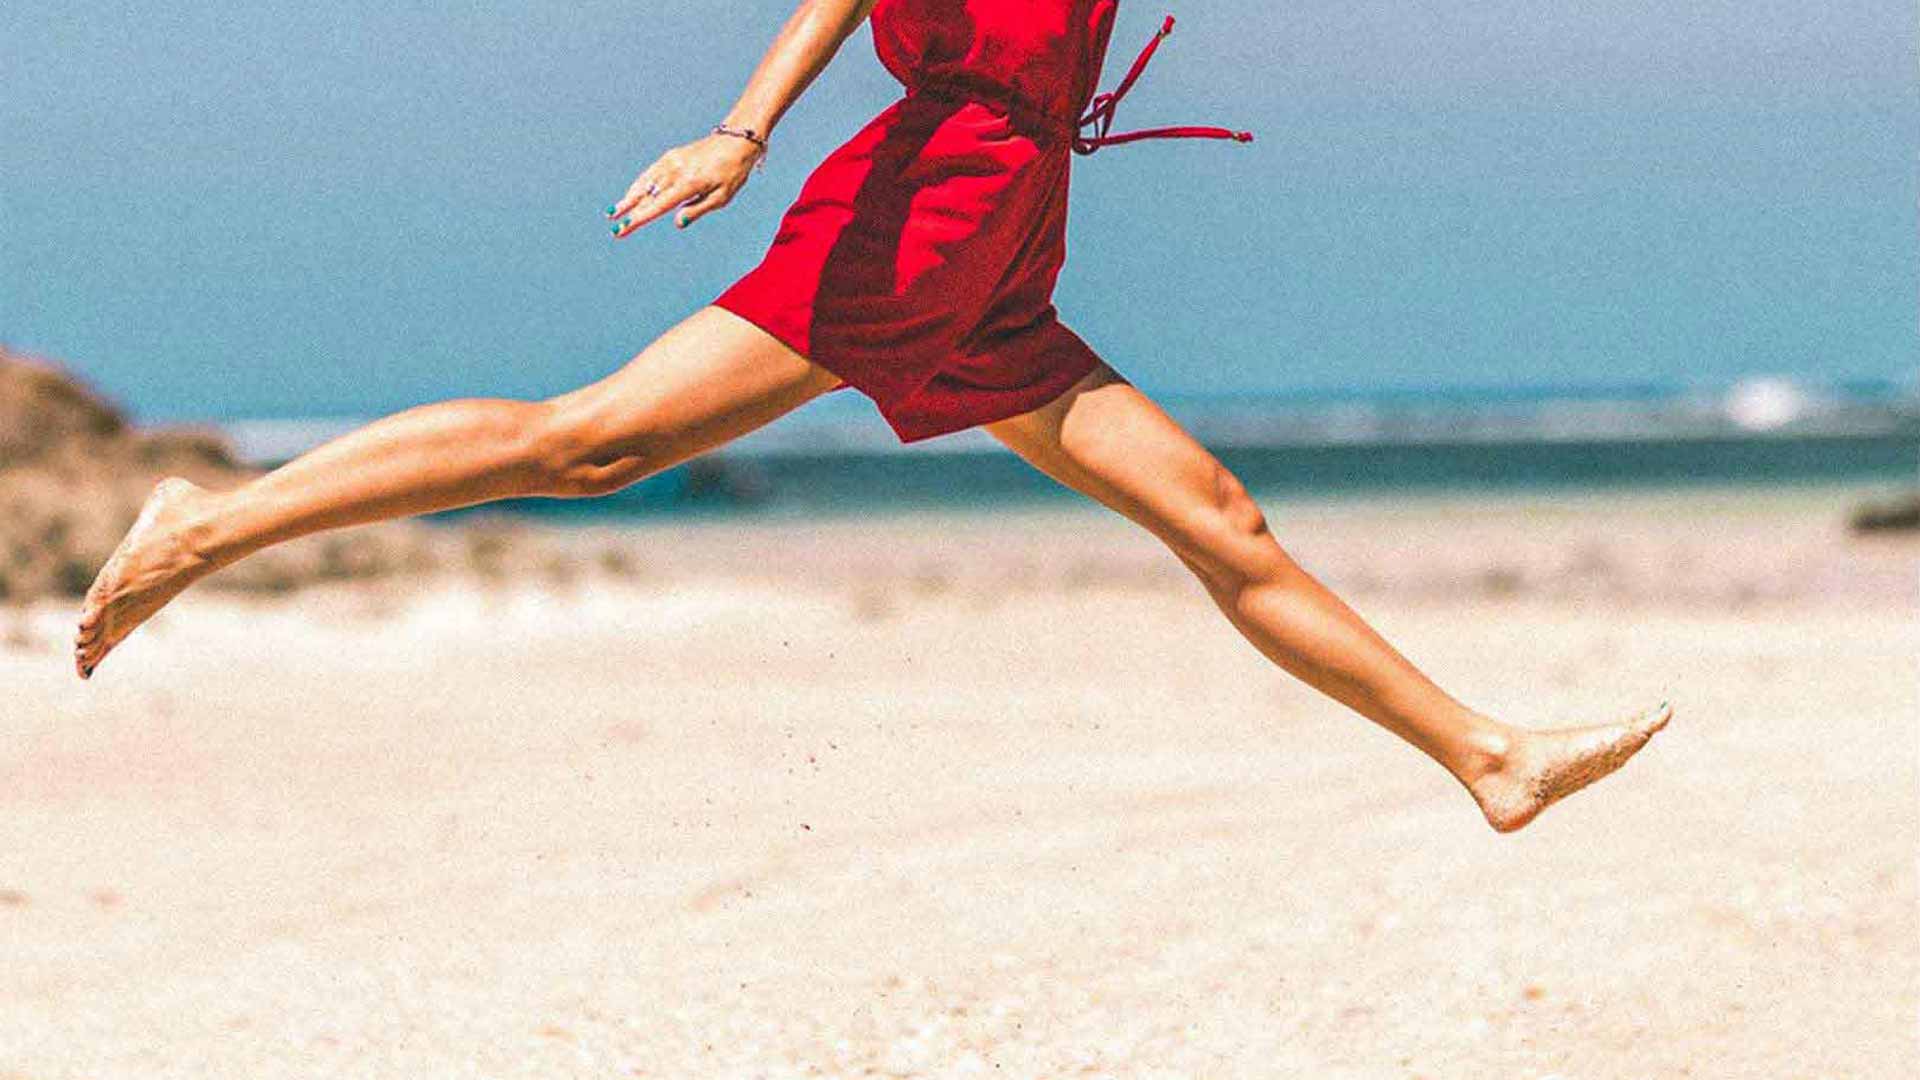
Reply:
x=760, y=123
x=754, y=142
x=743, y=132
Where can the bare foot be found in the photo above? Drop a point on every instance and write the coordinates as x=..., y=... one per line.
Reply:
x=1542, y=767
x=150, y=567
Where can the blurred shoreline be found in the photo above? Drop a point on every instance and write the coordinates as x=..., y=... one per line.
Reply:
x=1758, y=551
x=74, y=470
x=834, y=458
x=1763, y=406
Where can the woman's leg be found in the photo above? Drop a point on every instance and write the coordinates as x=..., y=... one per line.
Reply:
x=711, y=378
x=1107, y=440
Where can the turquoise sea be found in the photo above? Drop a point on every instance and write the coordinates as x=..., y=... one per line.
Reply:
x=836, y=457
x=864, y=483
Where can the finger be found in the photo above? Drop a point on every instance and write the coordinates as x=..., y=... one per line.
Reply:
x=666, y=199
x=648, y=183
x=648, y=208
x=642, y=206
x=639, y=191
x=625, y=202
x=702, y=206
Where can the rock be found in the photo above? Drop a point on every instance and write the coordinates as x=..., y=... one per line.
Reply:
x=177, y=451
x=1899, y=513
x=43, y=410
x=712, y=476
x=74, y=472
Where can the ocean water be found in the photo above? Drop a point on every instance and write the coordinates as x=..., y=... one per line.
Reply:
x=859, y=483
x=836, y=457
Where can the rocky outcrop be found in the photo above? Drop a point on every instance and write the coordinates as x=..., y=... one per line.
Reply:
x=74, y=471
x=1899, y=513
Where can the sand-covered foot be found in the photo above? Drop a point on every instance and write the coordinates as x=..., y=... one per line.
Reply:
x=1542, y=767
x=150, y=567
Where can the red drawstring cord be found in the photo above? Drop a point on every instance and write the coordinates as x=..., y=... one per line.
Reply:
x=1100, y=112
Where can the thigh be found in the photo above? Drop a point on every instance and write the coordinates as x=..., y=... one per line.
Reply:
x=710, y=378
x=1107, y=440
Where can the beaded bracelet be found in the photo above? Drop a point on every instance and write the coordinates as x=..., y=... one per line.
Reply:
x=747, y=134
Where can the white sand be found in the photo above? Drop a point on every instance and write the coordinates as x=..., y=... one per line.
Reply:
x=958, y=797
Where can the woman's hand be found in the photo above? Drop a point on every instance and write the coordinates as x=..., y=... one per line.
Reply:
x=699, y=178
x=703, y=176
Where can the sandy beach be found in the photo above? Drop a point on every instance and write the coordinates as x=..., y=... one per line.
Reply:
x=979, y=795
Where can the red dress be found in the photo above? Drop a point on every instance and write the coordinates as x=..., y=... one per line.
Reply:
x=917, y=263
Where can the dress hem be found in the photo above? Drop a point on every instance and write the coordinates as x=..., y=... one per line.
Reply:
x=907, y=431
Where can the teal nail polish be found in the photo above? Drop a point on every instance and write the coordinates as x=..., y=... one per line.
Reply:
x=616, y=228
x=612, y=208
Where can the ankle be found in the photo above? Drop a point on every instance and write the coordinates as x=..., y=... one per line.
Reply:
x=196, y=537
x=1487, y=748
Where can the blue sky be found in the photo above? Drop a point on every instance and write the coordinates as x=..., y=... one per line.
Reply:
x=273, y=209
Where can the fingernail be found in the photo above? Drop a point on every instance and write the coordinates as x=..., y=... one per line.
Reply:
x=616, y=228
x=612, y=208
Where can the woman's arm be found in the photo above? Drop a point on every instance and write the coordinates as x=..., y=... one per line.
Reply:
x=703, y=175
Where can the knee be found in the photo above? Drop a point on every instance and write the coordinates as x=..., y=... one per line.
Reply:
x=1236, y=514
x=1226, y=539
x=575, y=451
